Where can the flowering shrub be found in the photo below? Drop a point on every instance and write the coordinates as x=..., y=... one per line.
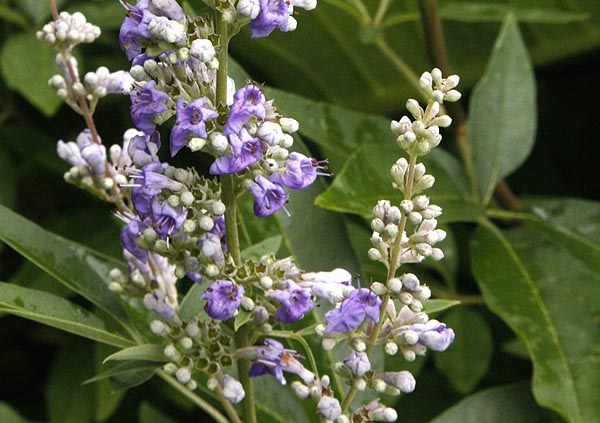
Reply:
x=213, y=310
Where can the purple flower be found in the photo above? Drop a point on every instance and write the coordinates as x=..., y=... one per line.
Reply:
x=246, y=151
x=190, y=121
x=211, y=246
x=274, y=359
x=248, y=101
x=149, y=182
x=143, y=149
x=434, y=335
x=157, y=301
x=147, y=102
x=361, y=303
x=223, y=299
x=129, y=235
x=268, y=197
x=295, y=302
x=84, y=153
x=273, y=14
x=134, y=30
x=358, y=363
x=166, y=219
x=299, y=172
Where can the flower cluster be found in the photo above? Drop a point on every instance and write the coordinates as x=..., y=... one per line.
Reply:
x=179, y=223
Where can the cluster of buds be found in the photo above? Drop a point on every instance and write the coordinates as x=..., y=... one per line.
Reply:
x=68, y=30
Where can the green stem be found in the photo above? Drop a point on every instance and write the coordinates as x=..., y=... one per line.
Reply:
x=362, y=10
x=228, y=196
x=204, y=405
x=391, y=273
x=380, y=14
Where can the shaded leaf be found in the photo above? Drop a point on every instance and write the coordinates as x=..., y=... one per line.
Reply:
x=192, y=305
x=67, y=401
x=57, y=312
x=502, y=112
x=266, y=246
x=106, y=400
x=125, y=371
x=467, y=360
x=8, y=177
x=495, y=12
x=149, y=414
x=436, y=305
x=9, y=414
x=73, y=265
x=535, y=285
x=508, y=403
x=146, y=352
x=26, y=66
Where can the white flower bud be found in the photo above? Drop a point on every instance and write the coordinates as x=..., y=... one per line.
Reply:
x=233, y=390
x=360, y=384
x=391, y=348
x=247, y=303
x=451, y=82
x=279, y=153
x=452, y=96
x=425, y=82
x=211, y=270
x=186, y=343
x=170, y=368
x=410, y=337
x=289, y=125
x=391, y=231
x=270, y=132
x=406, y=206
x=329, y=407
x=202, y=50
x=415, y=109
x=378, y=288
x=115, y=287
x=386, y=414
x=423, y=293
x=183, y=375
x=437, y=96
x=189, y=226
x=300, y=390
x=159, y=328
x=409, y=355
x=173, y=200
x=443, y=121
x=212, y=383
x=437, y=254
x=286, y=141
x=342, y=419
x=394, y=285
x=394, y=215
x=192, y=385
x=248, y=8
x=320, y=330
x=292, y=23
x=436, y=74
x=328, y=343
x=192, y=329
x=218, y=208
x=266, y=282
x=358, y=344
x=377, y=225
x=206, y=223
x=374, y=254
x=425, y=182
x=172, y=353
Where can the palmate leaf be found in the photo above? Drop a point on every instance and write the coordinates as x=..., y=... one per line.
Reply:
x=502, y=113
x=546, y=289
x=57, y=312
x=72, y=264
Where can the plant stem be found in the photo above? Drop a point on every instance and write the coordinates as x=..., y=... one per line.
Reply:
x=381, y=10
x=400, y=64
x=228, y=196
x=201, y=403
x=391, y=273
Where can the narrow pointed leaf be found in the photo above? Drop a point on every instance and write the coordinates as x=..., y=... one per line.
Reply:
x=547, y=292
x=502, y=111
x=125, y=370
x=57, y=312
x=72, y=264
x=146, y=352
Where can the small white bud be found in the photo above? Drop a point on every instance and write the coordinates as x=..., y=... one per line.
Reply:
x=289, y=125
x=138, y=73
x=170, y=368
x=329, y=407
x=248, y=8
x=451, y=82
x=115, y=287
x=423, y=294
x=415, y=109
x=202, y=50
x=286, y=141
x=378, y=288
x=192, y=329
x=196, y=144
x=328, y=343
x=212, y=383
x=233, y=390
x=410, y=337
x=342, y=419
x=292, y=23
x=206, y=223
x=247, y=303
x=266, y=282
x=320, y=329
x=270, y=132
x=391, y=348
x=187, y=198
x=211, y=270
x=394, y=215
x=358, y=345
x=409, y=355
x=360, y=384
x=192, y=385
x=186, y=343
x=452, y=96
x=172, y=353
x=159, y=328
x=300, y=389
x=377, y=225
x=218, y=208
x=437, y=254
x=189, y=226
x=437, y=96
x=436, y=74
x=173, y=200
x=406, y=206
x=374, y=254
x=183, y=375
x=394, y=285
x=443, y=121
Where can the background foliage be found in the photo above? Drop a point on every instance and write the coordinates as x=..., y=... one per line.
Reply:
x=527, y=345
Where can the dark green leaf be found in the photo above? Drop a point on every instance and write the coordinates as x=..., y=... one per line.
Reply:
x=8, y=177
x=288, y=407
x=146, y=352
x=149, y=414
x=11, y=16
x=467, y=360
x=26, y=66
x=516, y=348
x=107, y=401
x=547, y=292
x=267, y=246
x=106, y=14
x=502, y=113
x=67, y=401
x=508, y=403
x=435, y=305
x=191, y=305
x=72, y=264
x=241, y=319
x=57, y=312
x=130, y=370
x=494, y=12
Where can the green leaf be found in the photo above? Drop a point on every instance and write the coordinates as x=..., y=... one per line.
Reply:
x=8, y=177
x=26, y=65
x=515, y=348
x=266, y=246
x=67, y=401
x=10, y=15
x=106, y=400
x=57, y=312
x=241, y=319
x=502, y=112
x=146, y=352
x=494, y=12
x=129, y=370
x=9, y=414
x=149, y=414
x=436, y=305
x=76, y=267
x=467, y=360
x=106, y=14
x=192, y=305
x=278, y=404
x=547, y=292
x=508, y=403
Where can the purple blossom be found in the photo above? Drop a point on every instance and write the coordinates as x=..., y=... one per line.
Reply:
x=166, y=219
x=143, y=149
x=273, y=14
x=358, y=363
x=211, y=246
x=299, y=172
x=149, y=182
x=129, y=235
x=147, y=102
x=157, y=301
x=191, y=121
x=268, y=197
x=361, y=303
x=84, y=153
x=223, y=299
x=274, y=359
x=246, y=151
x=434, y=335
x=248, y=101
x=295, y=302
x=134, y=30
